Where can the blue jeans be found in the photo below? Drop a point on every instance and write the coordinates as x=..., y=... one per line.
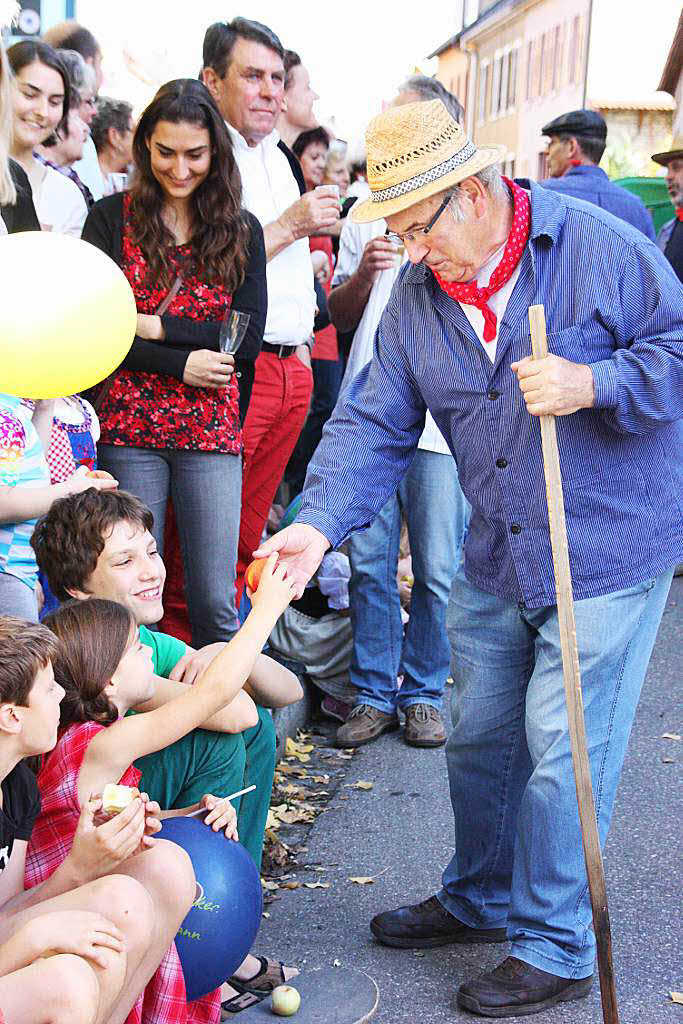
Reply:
x=206, y=489
x=518, y=858
x=436, y=512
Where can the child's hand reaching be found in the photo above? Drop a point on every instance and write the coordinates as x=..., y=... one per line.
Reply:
x=275, y=591
x=222, y=815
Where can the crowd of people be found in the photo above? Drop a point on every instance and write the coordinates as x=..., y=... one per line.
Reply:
x=288, y=357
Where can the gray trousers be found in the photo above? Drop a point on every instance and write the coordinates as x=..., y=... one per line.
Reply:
x=17, y=598
x=206, y=489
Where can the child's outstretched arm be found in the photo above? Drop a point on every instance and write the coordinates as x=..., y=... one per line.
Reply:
x=238, y=715
x=113, y=749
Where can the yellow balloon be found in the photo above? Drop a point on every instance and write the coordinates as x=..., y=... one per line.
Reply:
x=68, y=315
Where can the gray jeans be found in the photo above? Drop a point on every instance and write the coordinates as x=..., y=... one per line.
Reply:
x=206, y=489
x=17, y=598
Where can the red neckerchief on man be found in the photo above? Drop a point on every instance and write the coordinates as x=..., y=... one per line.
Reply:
x=470, y=293
x=679, y=213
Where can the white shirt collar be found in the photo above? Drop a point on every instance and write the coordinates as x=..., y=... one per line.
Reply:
x=240, y=142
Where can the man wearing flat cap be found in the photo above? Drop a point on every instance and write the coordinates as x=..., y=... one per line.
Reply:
x=575, y=147
x=454, y=338
x=670, y=237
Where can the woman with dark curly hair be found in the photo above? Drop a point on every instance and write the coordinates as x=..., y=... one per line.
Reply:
x=171, y=414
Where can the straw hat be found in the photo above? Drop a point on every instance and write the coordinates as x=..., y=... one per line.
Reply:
x=671, y=154
x=415, y=151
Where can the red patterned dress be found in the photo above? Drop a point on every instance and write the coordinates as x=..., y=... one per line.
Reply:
x=163, y=1000
x=150, y=410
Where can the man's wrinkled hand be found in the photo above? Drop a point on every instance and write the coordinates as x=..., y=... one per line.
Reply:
x=379, y=254
x=300, y=548
x=312, y=214
x=554, y=386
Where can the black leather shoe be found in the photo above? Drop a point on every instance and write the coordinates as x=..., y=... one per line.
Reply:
x=426, y=925
x=516, y=989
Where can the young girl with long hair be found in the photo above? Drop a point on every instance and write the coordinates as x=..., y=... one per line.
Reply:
x=171, y=415
x=105, y=671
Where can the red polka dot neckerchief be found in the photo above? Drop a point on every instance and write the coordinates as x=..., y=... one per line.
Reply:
x=470, y=293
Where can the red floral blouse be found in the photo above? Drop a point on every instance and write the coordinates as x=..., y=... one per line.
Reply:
x=150, y=410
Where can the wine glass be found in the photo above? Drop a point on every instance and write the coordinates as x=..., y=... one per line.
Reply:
x=233, y=329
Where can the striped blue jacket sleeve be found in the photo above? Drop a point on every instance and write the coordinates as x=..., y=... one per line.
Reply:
x=371, y=437
x=640, y=386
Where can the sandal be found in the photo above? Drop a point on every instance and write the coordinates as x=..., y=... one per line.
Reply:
x=244, y=1000
x=270, y=974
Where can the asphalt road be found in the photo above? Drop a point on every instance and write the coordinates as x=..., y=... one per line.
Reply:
x=401, y=832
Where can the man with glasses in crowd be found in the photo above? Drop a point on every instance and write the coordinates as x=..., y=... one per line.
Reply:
x=454, y=338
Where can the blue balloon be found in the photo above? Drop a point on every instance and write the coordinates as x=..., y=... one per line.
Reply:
x=221, y=925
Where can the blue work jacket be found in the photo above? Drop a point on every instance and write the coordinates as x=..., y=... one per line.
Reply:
x=611, y=300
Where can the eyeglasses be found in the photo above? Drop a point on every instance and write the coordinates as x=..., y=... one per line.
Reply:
x=411, y=236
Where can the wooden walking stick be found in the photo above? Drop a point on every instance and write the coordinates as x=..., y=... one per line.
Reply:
x=572, y=688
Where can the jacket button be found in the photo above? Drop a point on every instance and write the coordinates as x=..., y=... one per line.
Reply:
x=501, y=463
x=493, y=394
x=515, y=528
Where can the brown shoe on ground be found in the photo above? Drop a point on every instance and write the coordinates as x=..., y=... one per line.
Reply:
x=516, y=989
x=424, y=726
x=364, y=725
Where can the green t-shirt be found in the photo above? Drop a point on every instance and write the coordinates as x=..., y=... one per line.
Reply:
x=166, y=650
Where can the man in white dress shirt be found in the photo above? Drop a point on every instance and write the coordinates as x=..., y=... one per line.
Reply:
x=429, y=498
x=243, y=68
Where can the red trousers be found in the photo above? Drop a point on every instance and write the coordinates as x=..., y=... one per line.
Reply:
x=279, y=403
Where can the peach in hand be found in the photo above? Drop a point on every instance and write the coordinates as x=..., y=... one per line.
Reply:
x=253, y=574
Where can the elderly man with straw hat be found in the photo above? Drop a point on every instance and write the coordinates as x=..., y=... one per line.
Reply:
x=670, y=237
x=454, y=339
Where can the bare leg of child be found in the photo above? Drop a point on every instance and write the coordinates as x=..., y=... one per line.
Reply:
x=60, y=990
x=147, y=899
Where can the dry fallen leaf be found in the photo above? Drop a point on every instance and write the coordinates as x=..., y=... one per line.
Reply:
x=317, y=885
x=676, y=997
x=367, y=879
x=289, y=768
x=301, y=751
x=270, y=886
x=290, y=885
x=361, y=784
x=672, y=736
x=265, y=914
x=291, y=790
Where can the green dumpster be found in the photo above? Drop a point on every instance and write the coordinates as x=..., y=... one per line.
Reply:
x=654, y=194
